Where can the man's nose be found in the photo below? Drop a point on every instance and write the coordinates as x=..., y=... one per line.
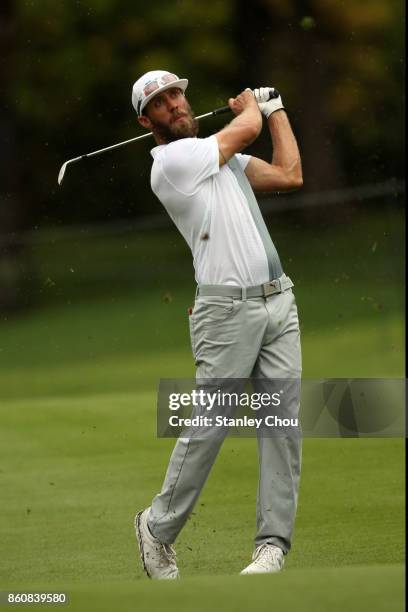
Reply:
x=172, y=104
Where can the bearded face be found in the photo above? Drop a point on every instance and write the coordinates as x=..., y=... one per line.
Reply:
x=169, y=116
x=182, y=124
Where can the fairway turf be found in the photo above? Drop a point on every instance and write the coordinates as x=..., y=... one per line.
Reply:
x=75, y=470
x=79, y=454
x=355, y=589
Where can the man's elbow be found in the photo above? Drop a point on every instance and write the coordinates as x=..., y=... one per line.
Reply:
x=296, y=182
x=290, y=181
x=295, y=177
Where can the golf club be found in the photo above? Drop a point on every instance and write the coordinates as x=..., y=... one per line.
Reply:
x=273, y=93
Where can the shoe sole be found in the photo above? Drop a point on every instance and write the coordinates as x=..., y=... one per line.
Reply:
x=137, y=522
x=275, y=571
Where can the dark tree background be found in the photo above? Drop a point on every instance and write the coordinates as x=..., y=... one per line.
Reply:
x=13, y=209
x=67, y=67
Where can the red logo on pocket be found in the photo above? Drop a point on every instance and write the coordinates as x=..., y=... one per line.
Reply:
x=190, y=311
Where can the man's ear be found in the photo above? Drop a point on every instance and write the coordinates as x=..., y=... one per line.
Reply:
x=145, y=122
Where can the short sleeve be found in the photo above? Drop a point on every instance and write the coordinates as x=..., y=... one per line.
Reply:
x=243, y=159
x=189, y=161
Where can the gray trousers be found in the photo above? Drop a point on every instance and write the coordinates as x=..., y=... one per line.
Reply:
x=235, y=339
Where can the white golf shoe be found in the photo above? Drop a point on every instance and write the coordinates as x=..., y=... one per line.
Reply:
x=267, y=559
x=158, y=559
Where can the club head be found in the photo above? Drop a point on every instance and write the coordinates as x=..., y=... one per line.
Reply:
x=62, y=172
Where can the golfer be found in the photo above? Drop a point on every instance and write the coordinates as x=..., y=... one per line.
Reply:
x=244, y=322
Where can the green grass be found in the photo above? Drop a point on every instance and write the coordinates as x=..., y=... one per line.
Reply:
x=119, y=297
x=68, y=363
x=79, y=455
x=358, y=589
x=74, y=471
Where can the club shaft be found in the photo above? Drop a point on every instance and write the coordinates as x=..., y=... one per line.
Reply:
x=218, y=111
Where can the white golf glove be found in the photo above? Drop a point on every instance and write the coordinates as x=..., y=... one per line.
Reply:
x=265, y=105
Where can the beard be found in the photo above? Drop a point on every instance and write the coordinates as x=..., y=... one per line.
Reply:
x=185, y=128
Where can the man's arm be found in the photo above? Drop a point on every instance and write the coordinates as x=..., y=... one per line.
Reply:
x=285, y=170
x=242, y=130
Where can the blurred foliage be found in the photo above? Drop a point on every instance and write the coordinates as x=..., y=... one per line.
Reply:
x=77, y=61
x=339, y=66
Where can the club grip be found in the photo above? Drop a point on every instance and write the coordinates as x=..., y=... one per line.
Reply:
x=221, y=110
x=273, y=93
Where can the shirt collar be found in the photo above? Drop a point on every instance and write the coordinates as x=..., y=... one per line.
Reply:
x=156, y=150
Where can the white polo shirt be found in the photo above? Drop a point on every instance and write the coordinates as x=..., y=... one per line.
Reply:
x=211, y=212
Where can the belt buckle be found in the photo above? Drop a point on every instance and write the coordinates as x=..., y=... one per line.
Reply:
x=270, y=288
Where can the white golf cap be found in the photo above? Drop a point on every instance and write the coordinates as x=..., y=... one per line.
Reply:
x=150, y=84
